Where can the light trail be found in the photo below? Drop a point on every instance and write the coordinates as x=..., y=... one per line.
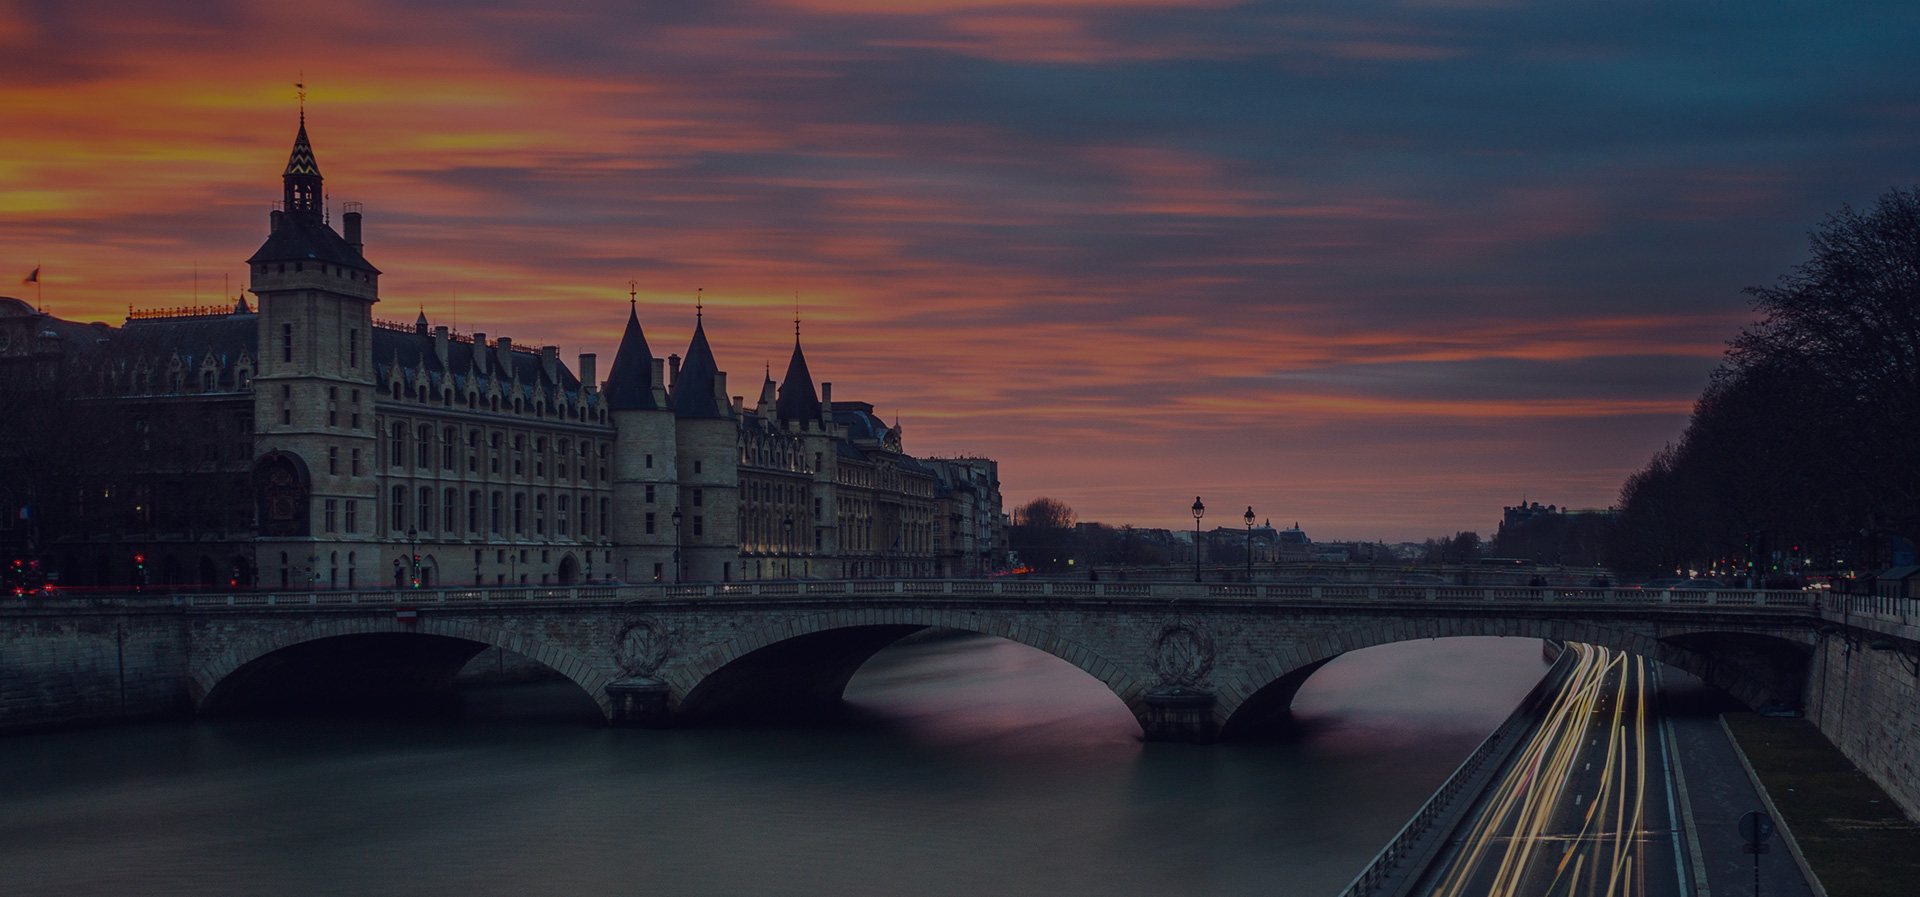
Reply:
x=1579, y=784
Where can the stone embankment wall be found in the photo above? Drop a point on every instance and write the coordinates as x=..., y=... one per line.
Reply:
x=75, y=666
x=1867, y=702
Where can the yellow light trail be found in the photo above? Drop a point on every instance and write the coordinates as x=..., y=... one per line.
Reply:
x=1505, y=854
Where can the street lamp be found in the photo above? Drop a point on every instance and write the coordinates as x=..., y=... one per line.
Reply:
x=413, y=540
x=786, y=527
x=1249, y=543
x=1198, y=510
x=676, y=545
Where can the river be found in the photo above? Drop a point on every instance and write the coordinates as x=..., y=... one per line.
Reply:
x=977, y=766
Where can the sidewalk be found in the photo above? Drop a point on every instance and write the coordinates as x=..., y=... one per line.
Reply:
x=1853, y=835
x=1720, y=792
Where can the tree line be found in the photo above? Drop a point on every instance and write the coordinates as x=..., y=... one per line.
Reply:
x=1806, y=442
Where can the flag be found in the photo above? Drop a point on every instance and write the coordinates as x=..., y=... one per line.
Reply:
x=34, y=277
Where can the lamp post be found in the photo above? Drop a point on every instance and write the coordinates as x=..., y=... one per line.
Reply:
x=1249, y=543
x=1198, y=510
x=676, y=545
x=413, y=542
x=786, y=527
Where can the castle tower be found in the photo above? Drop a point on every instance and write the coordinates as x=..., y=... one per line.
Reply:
x=804, y=411
x=645, y=491
x=707, y=438
x=314, y=441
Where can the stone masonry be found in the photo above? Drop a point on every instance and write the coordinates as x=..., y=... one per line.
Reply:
x=1191, y=667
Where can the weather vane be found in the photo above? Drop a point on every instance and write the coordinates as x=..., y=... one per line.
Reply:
x=633, y=293
x=300, y=90
x=699, y=299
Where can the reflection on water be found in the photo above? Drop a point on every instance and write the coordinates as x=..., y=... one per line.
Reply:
x=981, y=767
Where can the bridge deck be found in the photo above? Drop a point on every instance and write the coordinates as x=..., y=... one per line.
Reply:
x=974, y=589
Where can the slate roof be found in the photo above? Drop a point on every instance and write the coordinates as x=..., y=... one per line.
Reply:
x=409, y=350
x=798, y=400
x=860, y=421
x=693, y=394
x=299, y=237
x=193, y=339
x=630, y=379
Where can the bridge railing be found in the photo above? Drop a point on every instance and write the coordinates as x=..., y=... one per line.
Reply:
x=1884, y=608
x=1898, y=609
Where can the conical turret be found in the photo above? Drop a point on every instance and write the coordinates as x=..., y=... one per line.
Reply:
x=798, y=401
x=694, y=394
x=630, y=380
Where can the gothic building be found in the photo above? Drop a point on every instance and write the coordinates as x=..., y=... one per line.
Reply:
x=308, y=444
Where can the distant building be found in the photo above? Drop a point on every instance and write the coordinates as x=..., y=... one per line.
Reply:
x=1552, y=535
x=307, y=444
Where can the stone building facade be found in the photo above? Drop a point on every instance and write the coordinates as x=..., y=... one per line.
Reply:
x=307, y=444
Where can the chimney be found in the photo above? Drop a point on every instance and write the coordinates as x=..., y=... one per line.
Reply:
x=351, y=223
x=479, y=348
x=587, y=383
x=440, y=346
x=739, y=406
x=659, y=383
x=673, y=370
x=826, y=402
x=720, y=390
x=274, y=219
x=503, y=356
x=550, y=363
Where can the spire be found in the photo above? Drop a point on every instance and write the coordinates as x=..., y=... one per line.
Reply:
x=798, y=401
x=420, y=323
x=693, y=393
x=240, y=305
x=301, y=180
x=630, y=379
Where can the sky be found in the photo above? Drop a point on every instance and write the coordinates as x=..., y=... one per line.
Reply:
x=1377, y=268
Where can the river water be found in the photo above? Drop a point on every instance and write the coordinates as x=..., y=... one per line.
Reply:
x=979, y=767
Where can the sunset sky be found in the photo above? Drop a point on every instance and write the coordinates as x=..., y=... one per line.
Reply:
x=1379, y=268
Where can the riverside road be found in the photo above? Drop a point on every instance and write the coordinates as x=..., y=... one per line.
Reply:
x=1613, y=794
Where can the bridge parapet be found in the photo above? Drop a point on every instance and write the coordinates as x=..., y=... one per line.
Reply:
x=1894, y=609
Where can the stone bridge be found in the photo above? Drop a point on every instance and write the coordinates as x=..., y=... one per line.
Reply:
x=1193, y=662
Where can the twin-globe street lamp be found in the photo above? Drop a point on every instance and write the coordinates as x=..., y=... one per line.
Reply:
x=1200, y=510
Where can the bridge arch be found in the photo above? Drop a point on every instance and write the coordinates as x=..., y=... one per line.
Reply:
x=1757, y=667
x=212, y=681
x=801, y=667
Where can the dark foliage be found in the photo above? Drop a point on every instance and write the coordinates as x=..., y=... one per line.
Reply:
x=1043, y=534
x=1807, y=441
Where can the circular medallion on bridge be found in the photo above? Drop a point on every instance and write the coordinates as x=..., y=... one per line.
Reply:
x=1182, y=653
x=641, y=647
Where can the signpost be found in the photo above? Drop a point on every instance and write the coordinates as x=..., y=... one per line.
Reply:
x=1755, y=828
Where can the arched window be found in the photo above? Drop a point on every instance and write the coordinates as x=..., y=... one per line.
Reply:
x=450, y=441
x=426, y=508
x=397, y=453
x=450, y=512
x=424, y=458
x=399, y=509
x=520, y=513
